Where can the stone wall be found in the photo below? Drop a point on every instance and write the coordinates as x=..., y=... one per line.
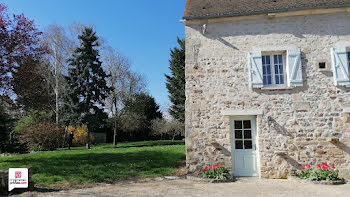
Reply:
x=304, y=119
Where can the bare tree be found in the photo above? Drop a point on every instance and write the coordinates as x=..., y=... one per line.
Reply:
x=55, y=64
x=124, y=84
x=170, y=127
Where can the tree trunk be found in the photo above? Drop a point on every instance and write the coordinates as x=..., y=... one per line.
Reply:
x=115, y=133
x=56, y=86
x=65, y=136
x=88, y=138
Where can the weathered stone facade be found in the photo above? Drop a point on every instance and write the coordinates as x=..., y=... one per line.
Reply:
x=305, y=119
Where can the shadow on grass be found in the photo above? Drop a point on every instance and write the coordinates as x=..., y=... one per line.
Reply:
x=148, y=144
x=91, y=167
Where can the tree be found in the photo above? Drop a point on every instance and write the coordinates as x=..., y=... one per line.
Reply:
x=171, y=128
x=55, y=63
x=124, y=84
x=139, y=111
x=31, y=87
x=5, y=129
x=176, y=82
x=19, y=43
x=87, y=87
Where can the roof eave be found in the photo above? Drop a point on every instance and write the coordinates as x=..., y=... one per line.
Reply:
x=233, y=14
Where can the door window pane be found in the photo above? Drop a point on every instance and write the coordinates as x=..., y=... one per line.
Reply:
x=243, y=134
x=239, y=144
x=238, y=134
x=238, y=124
x=247, y=134
x=248, y=144
x=247, y=124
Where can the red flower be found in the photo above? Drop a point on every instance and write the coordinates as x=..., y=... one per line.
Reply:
x=319, y=166
x=333, y=167
x=216, y=166
x=325, y=164
x=302, y=167
x=308, y=166
x=206, y=168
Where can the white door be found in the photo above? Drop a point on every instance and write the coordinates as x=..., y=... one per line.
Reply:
x=244, y=153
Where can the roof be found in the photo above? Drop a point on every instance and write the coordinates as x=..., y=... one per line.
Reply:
x=198, y=9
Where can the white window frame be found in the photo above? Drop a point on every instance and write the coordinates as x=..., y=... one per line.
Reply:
x=272, y=65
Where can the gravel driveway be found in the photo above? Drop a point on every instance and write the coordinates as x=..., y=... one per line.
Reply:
x=243, y=187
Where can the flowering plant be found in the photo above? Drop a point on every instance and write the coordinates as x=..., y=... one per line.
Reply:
x=216, y=172
x=324, y=173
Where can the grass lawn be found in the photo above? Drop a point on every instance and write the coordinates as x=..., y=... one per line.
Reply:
x=102, y=163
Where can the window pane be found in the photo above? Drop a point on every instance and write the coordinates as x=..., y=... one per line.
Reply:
x=248, y=144
x=275, y=59
x=269, y=80
x=276, y=69
x=239, y=144
x=269, y=69
x=266, y=70
x=264, y=60
x=238, y=134
x=281, y=68
x=238, y=124
x=247, y=124
x=349, y=62
x=279, y=71
x=277, y=79
x=282, y=79
x=247, y=134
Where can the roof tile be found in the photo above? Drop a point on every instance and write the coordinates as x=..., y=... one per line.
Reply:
x=221, y=8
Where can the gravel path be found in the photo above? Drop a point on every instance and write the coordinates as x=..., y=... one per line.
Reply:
x=249, y=187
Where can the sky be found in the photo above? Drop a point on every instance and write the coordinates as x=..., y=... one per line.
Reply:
x=142, y=30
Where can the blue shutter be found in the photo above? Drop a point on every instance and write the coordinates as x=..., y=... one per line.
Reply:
x=340, y=66
x=255, y=70
x=294, y=68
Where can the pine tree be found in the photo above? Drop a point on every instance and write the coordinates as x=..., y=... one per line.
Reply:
x=87, y=88
x=176, y=82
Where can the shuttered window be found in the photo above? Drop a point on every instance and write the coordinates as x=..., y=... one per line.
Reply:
x=341, y=68
x=275, y=69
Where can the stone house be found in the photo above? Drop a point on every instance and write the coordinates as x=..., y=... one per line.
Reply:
x=267, y=85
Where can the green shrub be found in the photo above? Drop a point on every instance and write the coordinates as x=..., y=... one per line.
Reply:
x=216, y=172
x=33, y=117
